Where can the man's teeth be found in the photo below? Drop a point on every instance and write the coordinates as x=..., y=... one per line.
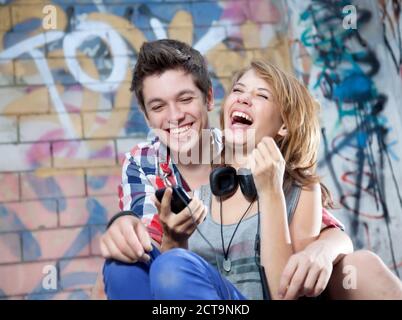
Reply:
x=242, y=115
x=180, y=130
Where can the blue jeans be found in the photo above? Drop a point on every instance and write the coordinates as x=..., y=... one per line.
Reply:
x=177, y=274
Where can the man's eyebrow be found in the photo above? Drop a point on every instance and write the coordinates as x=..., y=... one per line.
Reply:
x=154, y=100
x=185, y=91
x=180, y=93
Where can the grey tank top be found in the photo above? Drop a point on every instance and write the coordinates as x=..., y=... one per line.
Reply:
x=244, y=273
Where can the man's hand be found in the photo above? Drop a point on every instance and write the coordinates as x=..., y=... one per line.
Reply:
x=307, y=272
x=177, y=228
x=126, y=240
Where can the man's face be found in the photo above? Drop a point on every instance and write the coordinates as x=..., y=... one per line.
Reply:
x=175, y=109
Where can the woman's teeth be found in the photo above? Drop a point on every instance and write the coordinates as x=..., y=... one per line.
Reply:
x=242, y=116
x=180, y=130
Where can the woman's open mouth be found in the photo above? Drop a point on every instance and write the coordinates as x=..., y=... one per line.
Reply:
x=240, y=120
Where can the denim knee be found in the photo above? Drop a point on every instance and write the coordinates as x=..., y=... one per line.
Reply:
x=177, y=272
x=126, y=281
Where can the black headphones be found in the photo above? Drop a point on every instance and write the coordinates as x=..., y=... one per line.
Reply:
x=224, y=182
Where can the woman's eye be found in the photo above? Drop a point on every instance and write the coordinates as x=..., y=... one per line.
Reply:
x=236, y=90
x=262, y=96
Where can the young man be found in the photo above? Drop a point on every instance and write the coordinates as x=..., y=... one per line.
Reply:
x=174, y=91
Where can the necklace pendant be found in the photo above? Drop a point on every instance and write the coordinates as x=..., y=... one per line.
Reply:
x=227, y=264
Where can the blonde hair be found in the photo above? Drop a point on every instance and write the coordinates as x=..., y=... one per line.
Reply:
x=299, y=112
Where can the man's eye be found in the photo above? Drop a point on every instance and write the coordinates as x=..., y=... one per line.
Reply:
x=156, y=108
x=187, y=100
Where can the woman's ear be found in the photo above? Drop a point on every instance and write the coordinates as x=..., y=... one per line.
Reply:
x=282, y=131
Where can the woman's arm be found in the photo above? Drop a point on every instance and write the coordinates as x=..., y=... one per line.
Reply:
x=306, y=222
x=267, y=165
x=276, y=246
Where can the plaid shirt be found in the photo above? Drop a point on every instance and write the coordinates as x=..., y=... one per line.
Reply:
x=142, y=172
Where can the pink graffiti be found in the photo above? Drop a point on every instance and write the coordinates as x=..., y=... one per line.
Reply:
x=254, y=11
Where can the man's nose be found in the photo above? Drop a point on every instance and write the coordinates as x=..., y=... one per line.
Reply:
x=176, y=114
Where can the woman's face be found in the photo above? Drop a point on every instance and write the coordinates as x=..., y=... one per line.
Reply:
x=249, y=109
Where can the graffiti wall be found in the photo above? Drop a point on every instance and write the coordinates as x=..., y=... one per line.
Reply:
x=67, y=116
x=354, y=70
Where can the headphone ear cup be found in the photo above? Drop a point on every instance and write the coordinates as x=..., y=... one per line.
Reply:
x=223, y=181
x=247, y=185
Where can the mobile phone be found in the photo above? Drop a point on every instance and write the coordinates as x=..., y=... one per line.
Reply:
x=179, y=201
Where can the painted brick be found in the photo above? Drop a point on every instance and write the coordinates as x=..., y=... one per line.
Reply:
x=63, y=295
x=10, y=248
x=28, y=215
x=105, y=124
x=204, y=13
x=23, y=99
x=9, y=187
x=50, y=127
x=77, y=98
x=27, y=156
x=141, y=17
x=20, y=279
x=96, y=153
x=80, y=273
x=13, y=298
x=52, y=184
x=7, y=76
x=5, y=18
x=89, y=211
x=8, y=129
x=28, y=72
x=224, y=61
x=55, y=244
x=124, y=98
x=125, y=145
x=96, y=233
x=103, y=181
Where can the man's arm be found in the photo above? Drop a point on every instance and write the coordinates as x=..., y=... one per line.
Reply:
x=127, y=238
x=316, y=260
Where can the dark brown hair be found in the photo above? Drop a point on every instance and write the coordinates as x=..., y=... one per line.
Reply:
x=159, y=56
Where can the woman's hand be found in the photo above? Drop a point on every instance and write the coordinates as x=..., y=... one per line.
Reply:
x=267, y=166
x=307, y=272
x=177, y=228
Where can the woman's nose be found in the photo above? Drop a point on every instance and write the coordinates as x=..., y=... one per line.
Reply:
x=244, y=98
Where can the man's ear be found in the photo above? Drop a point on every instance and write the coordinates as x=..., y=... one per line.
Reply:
x=283, y=131
x=210, y=99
